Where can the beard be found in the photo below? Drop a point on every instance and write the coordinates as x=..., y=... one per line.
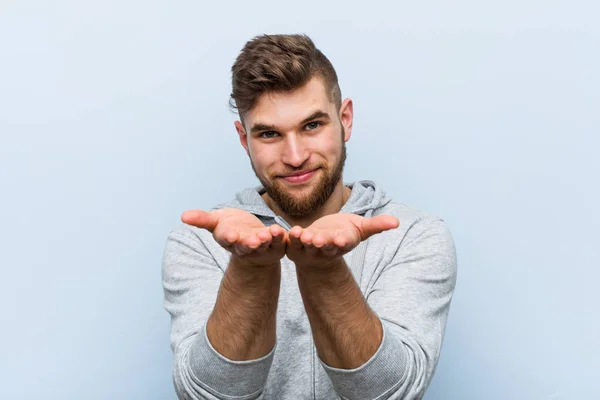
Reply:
x=309, y=201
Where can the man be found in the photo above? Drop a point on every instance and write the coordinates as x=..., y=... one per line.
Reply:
x=304, y=288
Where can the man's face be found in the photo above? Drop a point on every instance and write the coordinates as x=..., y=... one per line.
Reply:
x=296, y=144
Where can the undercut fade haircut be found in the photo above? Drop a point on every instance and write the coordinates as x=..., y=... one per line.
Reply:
x=278, y=63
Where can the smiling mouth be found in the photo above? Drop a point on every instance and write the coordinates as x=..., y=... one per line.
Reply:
x=300, y=177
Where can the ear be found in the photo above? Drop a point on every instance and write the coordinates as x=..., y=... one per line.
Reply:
x=242, y=134
x=346, y=116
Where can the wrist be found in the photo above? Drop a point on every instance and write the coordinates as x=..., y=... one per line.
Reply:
x=334, y=275
x=246, y=264
x=321, y=267
x=241, y=274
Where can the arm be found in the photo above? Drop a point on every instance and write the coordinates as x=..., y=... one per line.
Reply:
x=410, y=295
x=345, y=330
x=223, y=344
x=242, y=324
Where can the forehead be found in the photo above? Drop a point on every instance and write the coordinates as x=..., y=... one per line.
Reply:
x=286, y=108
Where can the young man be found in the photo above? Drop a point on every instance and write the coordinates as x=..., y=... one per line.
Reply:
x=305, y=287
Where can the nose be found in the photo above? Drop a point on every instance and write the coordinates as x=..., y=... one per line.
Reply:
x=294, y=152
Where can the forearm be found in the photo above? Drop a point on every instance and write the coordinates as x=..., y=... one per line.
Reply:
x=242, y=324
x=346, y=331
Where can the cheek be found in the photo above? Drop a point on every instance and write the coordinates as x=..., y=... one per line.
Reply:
x=329, y=149
x=262, y=157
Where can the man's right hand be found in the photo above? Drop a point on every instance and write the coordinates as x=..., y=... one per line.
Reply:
x=242, y=325
x=250, y=242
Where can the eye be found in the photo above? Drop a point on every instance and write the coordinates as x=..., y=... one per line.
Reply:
x=268, y=134
x=312, y=125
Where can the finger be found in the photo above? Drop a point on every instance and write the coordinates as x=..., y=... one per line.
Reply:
x=264, y=236
x=378, y=224
x=200, y=219
x=251, y=241
x=321, y=239
x=344, y=243
x=230, y=238
x=277, y=234
x=294, y=237
x=296, y=232
x=307, y=238
x=340, y=241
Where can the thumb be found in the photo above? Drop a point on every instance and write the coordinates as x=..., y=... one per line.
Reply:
x=374, y=225
x=200, y=219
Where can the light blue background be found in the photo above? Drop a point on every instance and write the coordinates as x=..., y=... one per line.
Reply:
x=114, y=120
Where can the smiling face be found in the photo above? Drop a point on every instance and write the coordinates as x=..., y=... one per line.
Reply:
x=296, y=144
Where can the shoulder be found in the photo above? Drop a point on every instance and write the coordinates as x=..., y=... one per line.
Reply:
x=410, y=217
x=195, y=245
x=191, y=233
x=419, y=231
x=187, y=239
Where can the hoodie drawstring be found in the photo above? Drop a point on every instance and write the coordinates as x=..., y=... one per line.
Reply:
x=282, y=222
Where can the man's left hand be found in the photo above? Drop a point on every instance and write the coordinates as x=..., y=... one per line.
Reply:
x=332, y=236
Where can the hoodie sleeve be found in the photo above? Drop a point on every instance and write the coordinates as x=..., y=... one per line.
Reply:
x=191, y=278
x=411, y=295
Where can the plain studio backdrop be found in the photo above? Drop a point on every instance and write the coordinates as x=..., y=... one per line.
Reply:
x=114, y=119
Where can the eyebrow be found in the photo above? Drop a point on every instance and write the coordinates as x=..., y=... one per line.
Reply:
x=316, y=115
x=264, y=127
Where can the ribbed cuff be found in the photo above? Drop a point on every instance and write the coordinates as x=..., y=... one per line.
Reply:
x=381, y=374
x=227, y=378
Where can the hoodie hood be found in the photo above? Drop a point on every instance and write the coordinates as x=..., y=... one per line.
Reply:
x=366, y=197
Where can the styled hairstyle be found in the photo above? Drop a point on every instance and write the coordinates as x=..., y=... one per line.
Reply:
x=278, y=63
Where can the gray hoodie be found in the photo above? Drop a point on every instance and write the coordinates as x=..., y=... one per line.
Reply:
x=407, y=276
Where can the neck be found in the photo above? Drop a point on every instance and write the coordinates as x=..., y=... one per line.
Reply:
x=333, y=205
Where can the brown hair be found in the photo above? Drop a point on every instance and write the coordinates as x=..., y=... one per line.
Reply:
x=278, y=63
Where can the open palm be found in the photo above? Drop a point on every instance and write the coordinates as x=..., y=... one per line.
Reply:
x=332, y=236
x=241, y=233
